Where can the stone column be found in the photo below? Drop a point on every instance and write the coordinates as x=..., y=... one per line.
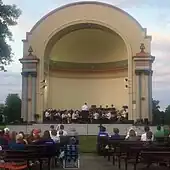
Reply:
x=138, y=95
x=150, y=94
x=34, y=75
x=24, y=96
x=147, y=95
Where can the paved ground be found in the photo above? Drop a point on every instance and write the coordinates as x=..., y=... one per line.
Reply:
x=88, y=162
x=93, y=162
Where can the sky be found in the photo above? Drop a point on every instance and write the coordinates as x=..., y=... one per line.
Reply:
x=151, y=14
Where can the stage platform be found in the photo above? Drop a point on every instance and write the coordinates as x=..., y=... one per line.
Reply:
x=82, y=129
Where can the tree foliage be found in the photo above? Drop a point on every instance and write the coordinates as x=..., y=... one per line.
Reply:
x=13, y=107
x=8, y=17
x=157, y=114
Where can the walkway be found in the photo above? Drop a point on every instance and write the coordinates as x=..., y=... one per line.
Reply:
x=92, y=162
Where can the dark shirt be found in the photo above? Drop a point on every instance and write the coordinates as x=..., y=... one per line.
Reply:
x=16, y=146
x=49, y=143
x=7, y=137
x=3, y=141
x=115, y=136
x=100, y=134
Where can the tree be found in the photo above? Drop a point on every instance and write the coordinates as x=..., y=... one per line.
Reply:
x=13, y=107
x=8, y=17
x=167, y=110
x=158, y=116
x=155, y=105
x=167, y=115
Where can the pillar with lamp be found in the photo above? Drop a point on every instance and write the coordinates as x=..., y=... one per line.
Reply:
x=29, y=81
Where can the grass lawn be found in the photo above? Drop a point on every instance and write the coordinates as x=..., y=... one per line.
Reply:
x=88, y=144
x=2, y=126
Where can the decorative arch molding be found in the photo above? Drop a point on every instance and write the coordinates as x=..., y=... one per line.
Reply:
x=85, y=3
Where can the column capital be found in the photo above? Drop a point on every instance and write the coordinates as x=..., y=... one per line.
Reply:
x=25, y=74
x=145, y=72
x=148, y=72
x=138, y=72
x=33, y=74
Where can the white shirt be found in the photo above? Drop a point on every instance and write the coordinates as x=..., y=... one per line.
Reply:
x=64, y=115
x=109, y=115
x=96, y=116
x=68, y=115
x=144, y=137
x=85, y=108
x=74, y=116
x=47, y=114
x=64, y=133
x=56, y=138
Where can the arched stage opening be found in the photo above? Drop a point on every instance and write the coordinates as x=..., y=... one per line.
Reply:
x=87, y=62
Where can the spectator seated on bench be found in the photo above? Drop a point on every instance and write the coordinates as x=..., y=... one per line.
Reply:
x=3, y=141
x=132, y=136
x=116, y=134
x=159, y=132
x=103, y=132
x=18, y=144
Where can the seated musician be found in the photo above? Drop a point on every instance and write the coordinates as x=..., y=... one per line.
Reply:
x=116, y=134
x=75, y=116
x=95, y=116
x=108, y=115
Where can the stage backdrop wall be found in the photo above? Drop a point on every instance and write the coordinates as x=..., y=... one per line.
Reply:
x=66, y=93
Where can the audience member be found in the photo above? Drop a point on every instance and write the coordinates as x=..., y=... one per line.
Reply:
x=54, y=136
x=131, y=128
x=116, y=134
x=18, y=144
x=6, y=134
x=51, y=129
x=13, y=136
x=149, y=136
x=159, y=132
x=132, y=136
x=144, y=135
x=3, y=140
x=23, y=136
x=62, y=130
x=36, y=136
x=103, y=132
x=166, y=131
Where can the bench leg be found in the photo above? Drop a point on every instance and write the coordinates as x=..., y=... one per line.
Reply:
x=126, y=164
x=41, y=162
x=119, y=161
x=49, y=163
x=113, y=159
x=108, y=157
